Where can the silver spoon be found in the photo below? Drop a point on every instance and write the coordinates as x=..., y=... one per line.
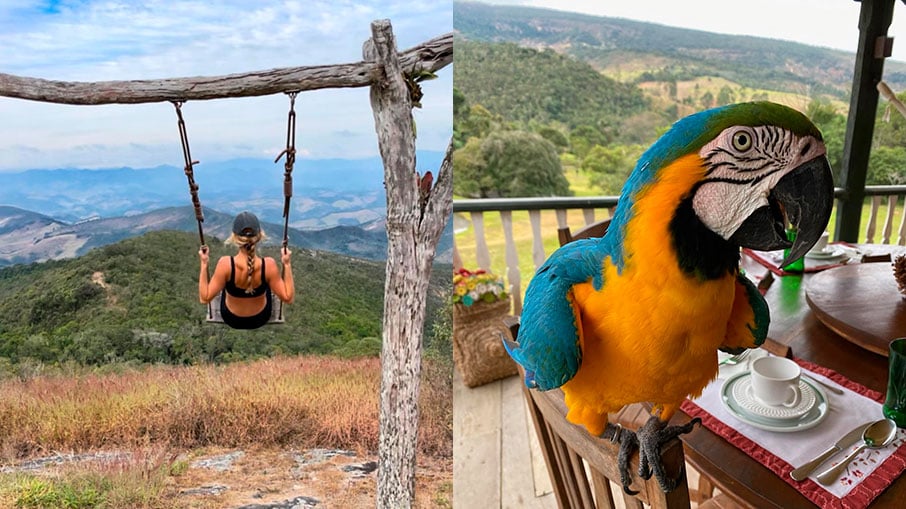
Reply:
x=876, y=436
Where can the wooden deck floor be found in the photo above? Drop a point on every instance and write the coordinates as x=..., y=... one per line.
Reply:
x=496, y=459
x=497, y=462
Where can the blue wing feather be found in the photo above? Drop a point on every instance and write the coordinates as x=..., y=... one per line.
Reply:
x=548, y=343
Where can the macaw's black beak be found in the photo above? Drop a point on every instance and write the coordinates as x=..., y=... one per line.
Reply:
x=802, y=199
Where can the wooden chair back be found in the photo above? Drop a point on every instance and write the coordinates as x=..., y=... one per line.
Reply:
x=598, y=229
x=567, y=449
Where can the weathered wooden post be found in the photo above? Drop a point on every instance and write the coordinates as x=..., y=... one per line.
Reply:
x=414, y=227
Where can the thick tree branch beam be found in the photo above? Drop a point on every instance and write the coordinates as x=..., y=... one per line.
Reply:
x=431, y=55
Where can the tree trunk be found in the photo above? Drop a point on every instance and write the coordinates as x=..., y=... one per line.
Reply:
x=414, y=227
x=428, y=56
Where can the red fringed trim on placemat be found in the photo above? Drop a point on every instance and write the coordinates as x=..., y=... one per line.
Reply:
x=859, y=497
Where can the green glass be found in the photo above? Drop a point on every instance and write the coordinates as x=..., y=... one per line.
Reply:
x=895, y=403
x=795, y=265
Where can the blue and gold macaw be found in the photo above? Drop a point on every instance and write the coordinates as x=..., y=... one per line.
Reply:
x=639, y=314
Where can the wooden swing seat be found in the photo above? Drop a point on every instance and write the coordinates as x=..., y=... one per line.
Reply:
x=214, y=315
x=276, y=310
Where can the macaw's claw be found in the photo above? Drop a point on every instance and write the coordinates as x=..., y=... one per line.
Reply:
x=628, y=443
x=648, y=440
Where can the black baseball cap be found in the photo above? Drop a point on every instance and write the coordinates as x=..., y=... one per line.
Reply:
x=246, y=224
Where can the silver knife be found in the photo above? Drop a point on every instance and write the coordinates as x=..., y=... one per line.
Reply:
x=848, y=439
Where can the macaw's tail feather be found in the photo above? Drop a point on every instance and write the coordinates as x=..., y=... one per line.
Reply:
x=512, y=348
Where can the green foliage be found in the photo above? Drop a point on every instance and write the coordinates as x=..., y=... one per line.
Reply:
x=610, y=166
x=362, y=347
x=833, y=128
x=48, y=493
x=525, y=85
x=584, y=137
x=137, y=301
x=134, y=485
x=477, y=122
x=178, y=468
x=890, y=126
x=886, y=166
x=725, y=96
x=555, y=136
x=439, y=343
x=460, y=104
x=509, y=164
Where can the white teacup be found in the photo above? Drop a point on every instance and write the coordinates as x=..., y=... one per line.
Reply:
x=775, y=381
x=821, y=245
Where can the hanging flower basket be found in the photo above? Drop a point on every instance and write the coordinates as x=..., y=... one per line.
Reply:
x=475, y=287
x=477, y=348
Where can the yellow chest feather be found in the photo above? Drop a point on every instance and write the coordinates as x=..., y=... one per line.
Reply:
x=651, y=333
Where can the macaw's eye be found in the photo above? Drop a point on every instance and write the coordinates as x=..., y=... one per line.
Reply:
x=742, y=141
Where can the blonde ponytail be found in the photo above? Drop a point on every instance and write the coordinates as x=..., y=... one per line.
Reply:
x=250, y=248
x=250, y=245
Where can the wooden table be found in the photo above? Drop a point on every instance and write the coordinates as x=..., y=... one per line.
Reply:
x=861, y=303
x=794, y=324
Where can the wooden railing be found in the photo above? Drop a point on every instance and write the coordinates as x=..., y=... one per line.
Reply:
x=886, y=224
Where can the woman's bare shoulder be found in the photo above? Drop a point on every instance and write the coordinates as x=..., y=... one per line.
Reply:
x=270, y=264
x=223, y=261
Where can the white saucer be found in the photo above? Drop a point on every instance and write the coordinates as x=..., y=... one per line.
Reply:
x=746, y=400
x=810, y=419
x=826, y=254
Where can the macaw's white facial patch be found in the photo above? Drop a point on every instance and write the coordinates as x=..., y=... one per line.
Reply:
x=722, y=207
x=742, y=165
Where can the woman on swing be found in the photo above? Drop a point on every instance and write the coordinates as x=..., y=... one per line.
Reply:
x=246, y=280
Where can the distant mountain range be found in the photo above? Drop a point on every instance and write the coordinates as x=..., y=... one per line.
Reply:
x=628, y=49
x=326, y=192
x=337, y=206
x=27, y=237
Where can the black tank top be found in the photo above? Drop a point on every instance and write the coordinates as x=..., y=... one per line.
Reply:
x=235, y=291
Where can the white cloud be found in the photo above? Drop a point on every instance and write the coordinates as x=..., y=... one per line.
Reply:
x=98, y=40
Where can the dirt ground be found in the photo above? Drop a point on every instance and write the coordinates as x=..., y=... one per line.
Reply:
x=275, y=478
x=298, y=479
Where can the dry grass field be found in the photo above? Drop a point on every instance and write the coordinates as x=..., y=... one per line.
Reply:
x=155, y=421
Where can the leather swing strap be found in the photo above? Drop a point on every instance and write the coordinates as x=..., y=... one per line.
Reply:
x=290, y=152
x=190, y=175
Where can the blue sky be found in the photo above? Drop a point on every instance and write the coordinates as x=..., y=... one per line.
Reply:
x=99, y=40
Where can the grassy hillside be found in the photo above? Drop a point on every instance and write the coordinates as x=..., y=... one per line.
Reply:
x=525, y=85
x=136, y=300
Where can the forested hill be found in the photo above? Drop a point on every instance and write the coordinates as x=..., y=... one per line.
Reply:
x=525, y=85
x=632, y=49
x=137, y=300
